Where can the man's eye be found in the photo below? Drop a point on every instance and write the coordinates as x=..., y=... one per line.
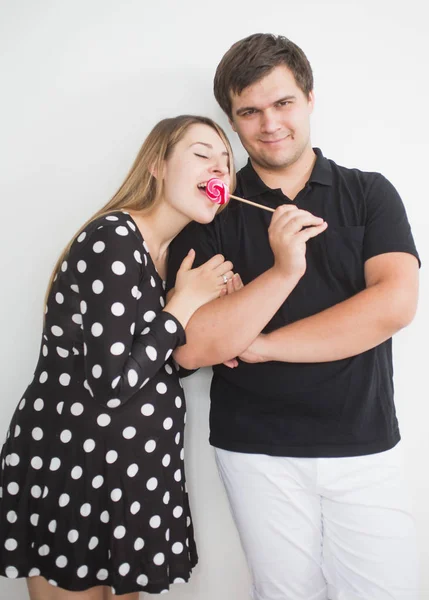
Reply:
x=284, y=103
x=200, y=155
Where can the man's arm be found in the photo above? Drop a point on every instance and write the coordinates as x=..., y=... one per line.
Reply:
x=225, y=327
x=353, y=326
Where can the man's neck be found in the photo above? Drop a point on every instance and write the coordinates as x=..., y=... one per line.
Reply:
x=292, y=178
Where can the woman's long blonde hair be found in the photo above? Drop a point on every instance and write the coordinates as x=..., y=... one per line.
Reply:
x=141, y=190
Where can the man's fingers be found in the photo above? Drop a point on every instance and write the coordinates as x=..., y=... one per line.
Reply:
x=311, y=232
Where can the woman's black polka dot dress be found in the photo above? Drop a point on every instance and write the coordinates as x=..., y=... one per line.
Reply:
x=92, y=477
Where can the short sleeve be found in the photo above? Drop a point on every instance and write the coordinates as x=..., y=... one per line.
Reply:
x=108, y=270
x=387, y=228
x=202, y=238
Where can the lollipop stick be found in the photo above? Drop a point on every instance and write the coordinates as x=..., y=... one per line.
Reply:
x=252, y=203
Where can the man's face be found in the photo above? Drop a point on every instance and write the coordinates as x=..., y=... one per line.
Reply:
x=272, y=119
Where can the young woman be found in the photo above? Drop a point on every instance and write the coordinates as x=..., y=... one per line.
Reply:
x=94, y=500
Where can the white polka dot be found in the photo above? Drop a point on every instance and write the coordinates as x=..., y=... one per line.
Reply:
x=64, y=266
x=178, y=401
x=178, y=475
x=116, y=494
x=17, y=431
x=21, y=404
x=178, y=580
x=97, y=371
x=118, y=309
x=83, y=307
x=116, y=349
x=77, y=318
x=161, y=388
x=81, y=266
x=82, y=236
x=144, y=382
x=61, y=561
x=97, y=482
x=162, y=301
x=135, y=292
x=142, y=580
x=52, y=526
x=44, y=550
x=93, y=543
x=132, y=377
x=118, y=267
x=102, y=574
x=60, y=407
x=129, y=432
x=124, y=569
x=55, y=464
x=159, y=558
x=132, y=328
x=149, y=316
x=76, y=409
x=138, y=256
x=171, y=326
x=177, y=438
x=114, y=403
x=76, y=472
x=138, y=544
x=85, y=509
x=82, y=571
x=97, y=286
x=131, y=224
x=177, y=548
x=44, y=350
x=150, y=446
x=111, y=218
x=132, y=470
x=34, y=573
x=11, y=572
x=121, y=230
x=97, y=329
x=59, y=297
x=89, y=445
x=145, y=331
x=65, y=379
x=73, y=536
x=74, y=287
x=14, y=458
x=37, y=462
x=168, y=369
x=152, y=484
x=169, y=353
x=147, y=410
x=64, y=500
x=177, y=512
x=12, y=516
x=135, y=507
x=151, y=352
x=43, y=377
x=103, y=420
x=11, y=544
x=105, y=517
x=98, y=247
x=152, y=282
x=65, y=436
x=166, y=460
x=119, y=532
x=36, y=491
x=168, y=423
x=37, y=434
x=111, y=456
x=38, y=404
x=62, y=352
x=34, y=519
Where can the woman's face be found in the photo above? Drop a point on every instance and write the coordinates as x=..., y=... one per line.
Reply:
x=196, y=158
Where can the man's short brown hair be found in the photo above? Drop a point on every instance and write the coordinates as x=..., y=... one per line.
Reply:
x=252, y=58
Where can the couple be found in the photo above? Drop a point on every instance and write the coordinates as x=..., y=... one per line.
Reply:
x=302, y=419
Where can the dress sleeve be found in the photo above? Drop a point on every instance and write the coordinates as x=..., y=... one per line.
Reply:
x=108, y=270
x=387, y=228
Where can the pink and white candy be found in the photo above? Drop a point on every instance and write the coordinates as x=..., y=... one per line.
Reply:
x=217, y=191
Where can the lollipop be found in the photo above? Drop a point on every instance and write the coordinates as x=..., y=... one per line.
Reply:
x=217, y=191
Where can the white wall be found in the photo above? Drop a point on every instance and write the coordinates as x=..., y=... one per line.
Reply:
x=81, y=84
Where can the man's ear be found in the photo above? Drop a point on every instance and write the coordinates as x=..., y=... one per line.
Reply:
x=231, y=122
x=311, y=100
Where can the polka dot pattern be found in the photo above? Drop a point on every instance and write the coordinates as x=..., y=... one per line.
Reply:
x=98, y=436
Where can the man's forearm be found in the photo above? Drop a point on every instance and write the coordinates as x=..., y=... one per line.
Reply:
x=225, y=327
x=346, y=329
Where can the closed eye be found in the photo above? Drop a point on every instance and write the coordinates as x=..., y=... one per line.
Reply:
x=200, y=155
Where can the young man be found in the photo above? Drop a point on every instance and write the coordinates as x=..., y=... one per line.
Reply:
x=304, y=428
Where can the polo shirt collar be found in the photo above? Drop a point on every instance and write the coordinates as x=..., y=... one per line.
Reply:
x=253, y=185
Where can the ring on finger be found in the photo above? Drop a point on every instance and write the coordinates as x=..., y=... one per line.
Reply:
x=225, y=279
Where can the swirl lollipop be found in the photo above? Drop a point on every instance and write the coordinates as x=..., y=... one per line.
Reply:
x=217, y=191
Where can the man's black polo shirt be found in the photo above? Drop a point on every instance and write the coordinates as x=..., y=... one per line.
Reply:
x=340, y=408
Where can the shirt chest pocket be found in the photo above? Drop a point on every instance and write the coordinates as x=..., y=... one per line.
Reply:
x=343, y=250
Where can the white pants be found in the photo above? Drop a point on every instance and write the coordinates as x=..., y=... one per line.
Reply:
x=319, y=528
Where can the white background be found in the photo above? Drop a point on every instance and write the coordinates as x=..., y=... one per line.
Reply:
x=83, y=81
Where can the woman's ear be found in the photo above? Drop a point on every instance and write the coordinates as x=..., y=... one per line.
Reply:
x=157, y=170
